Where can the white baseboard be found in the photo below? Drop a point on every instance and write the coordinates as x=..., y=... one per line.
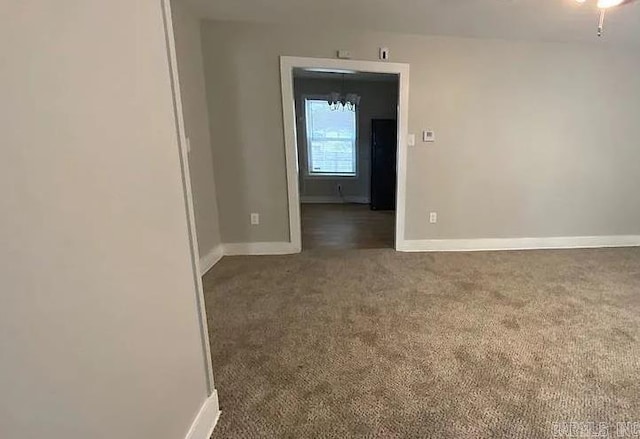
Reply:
x=202, y=427
x=334, y=200
x=244, y=249
x=260, y=248
x=210, y=259
x=434, y=245
x=458, y=245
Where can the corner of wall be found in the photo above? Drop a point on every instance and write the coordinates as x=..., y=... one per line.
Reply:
x=187, y=30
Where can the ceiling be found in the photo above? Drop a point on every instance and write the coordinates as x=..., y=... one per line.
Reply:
x=539, y=20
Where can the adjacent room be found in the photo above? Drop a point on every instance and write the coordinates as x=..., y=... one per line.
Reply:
x=426, y=215
x=346, y=126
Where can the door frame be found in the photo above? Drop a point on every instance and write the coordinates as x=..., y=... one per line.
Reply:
x=287, y=64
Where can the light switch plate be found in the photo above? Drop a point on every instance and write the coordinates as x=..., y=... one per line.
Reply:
x=411, y=140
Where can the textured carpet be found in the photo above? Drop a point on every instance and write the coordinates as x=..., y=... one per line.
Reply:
x=378, y=344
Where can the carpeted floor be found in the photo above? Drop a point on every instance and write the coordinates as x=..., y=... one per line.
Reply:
x=378, y=344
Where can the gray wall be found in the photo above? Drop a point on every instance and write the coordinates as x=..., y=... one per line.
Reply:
x=379, y=101
x=196, y=119
x=533, y=139
x=99, y=329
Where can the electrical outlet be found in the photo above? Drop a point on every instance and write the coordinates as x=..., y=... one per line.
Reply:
x=255, y=219
x=433, y=217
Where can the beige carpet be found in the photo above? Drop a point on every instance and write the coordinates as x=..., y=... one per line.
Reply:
x=378, y=344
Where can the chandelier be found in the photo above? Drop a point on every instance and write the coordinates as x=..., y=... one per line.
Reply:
x=338, y=101
x=341, y=101
x=604, y=5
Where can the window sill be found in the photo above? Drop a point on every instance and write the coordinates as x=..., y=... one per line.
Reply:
x=330, y=177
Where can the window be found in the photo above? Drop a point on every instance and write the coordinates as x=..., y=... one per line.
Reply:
x=331, y=140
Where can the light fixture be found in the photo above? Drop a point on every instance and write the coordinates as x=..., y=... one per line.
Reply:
x=337, y=101
x=603, y=5
x=341, y=101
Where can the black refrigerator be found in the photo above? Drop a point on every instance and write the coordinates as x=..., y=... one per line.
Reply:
x=384, y=147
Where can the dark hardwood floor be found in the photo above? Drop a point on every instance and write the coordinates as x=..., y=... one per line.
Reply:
x=346, y=226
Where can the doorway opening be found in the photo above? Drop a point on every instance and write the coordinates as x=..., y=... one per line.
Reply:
x=346, y=124
x=345, y=137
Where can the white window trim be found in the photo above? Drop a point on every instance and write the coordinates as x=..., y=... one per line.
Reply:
x=320, y=176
